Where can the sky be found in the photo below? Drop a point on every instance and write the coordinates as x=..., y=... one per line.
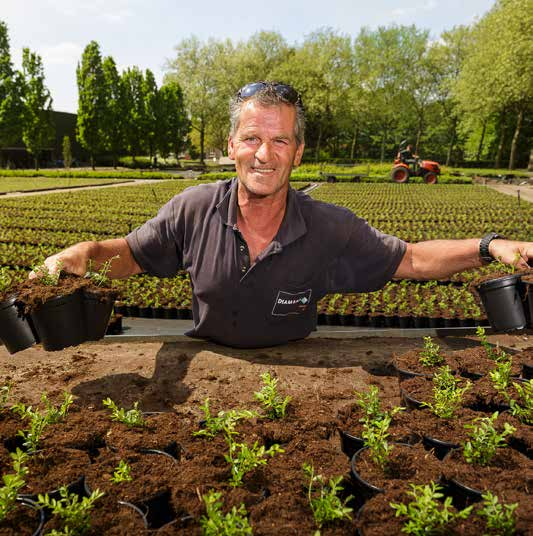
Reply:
x=145, y=32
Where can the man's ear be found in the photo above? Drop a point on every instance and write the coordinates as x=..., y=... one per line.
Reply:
x=231, y=148
x=298, y=155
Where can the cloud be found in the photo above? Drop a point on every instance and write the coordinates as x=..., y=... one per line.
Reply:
x=428, y=5
x=114, y=12
x=65, y=53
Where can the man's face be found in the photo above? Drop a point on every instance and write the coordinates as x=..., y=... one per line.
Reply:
x=265, y=148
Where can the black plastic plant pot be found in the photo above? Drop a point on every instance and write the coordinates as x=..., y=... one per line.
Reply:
x=97, y=313
x=410, y=402
x=439, y=448
x=136, y=509
x=77, y=487
x=502, y=302
x=527, y=298
x=39, y=513
x=16, y=331
x=59, y=322
x=527, y=371
x=364, y=488
x=461, y=494
x=404, y=374
x=350, y=444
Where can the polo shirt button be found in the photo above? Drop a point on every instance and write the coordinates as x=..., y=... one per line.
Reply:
x=241, y=248
x=243, y=269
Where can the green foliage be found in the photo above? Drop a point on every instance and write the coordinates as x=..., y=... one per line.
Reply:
x=99, y=277
x=46, y=277
x=5, y=279
x=13, y=483
x=426, y=514
x=523, y=407
x=430, y=356
x=37, y=129
x=375, y=434
x=132, y=417
x=323, y=498
x=225, y=421
x=122, y=473
x=38, y=420
x=273, y=403
x=216, y=523
x=447, y=395
x=371, y=405
x=5, y=392
x=484, y=440
x=74, y=513
x=492, y=353
x=244, y=459
x=499, y=518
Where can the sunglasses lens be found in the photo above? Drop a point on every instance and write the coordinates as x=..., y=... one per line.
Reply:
x=284, y=91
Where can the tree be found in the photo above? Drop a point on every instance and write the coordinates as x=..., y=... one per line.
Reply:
x=151, y=104
x=115, y=116
x=10, y=95
x=136, y=118
x=173, y=123
x=67, y=152
x=497, y=78
x=91, y=100
x=37, y=129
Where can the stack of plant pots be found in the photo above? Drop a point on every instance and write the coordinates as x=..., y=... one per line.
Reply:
x=68, y=314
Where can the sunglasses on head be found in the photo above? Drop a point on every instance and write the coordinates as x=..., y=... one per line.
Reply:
x=286, y=92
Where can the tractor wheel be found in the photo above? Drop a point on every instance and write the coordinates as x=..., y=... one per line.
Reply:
x=400, y=174
x=430, y=177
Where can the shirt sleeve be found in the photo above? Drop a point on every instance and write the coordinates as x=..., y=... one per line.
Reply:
x=368, y=261
x=156, y=245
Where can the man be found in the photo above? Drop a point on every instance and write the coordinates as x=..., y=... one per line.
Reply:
x=260, y=254
x=407, y=156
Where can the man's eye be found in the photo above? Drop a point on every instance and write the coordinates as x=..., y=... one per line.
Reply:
x=251, y=139
x=281, y=142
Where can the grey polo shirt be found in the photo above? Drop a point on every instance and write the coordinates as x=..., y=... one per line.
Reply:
x=320, y=248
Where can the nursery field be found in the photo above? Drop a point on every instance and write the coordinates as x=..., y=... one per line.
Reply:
x=33, y=228
x=26, y=184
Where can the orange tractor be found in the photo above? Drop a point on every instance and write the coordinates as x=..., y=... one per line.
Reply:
x=408, y=164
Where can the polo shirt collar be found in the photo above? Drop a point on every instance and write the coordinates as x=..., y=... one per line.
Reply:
x=292, y=227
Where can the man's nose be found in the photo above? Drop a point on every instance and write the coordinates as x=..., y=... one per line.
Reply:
x=264, y=152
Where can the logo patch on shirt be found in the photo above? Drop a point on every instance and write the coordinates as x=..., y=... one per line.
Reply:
x=291, y=303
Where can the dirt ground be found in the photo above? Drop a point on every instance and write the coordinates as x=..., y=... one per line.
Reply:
x=164, y=375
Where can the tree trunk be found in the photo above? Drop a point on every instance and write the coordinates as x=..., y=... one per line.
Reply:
x=452, y=143
x=114, y=161
x=202, y=141
x=383, y=137
x=36, y=163
x=499, y=153
x=354, y=143
x=92, y=161
x=418, y=136
x=481, y=140
x=530, y=165
x=318, y=142
x=516, y=135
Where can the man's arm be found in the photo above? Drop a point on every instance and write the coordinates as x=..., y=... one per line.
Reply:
x=436, y=259
x=74, y=259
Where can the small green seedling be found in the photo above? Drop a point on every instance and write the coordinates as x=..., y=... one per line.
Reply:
x=40, y=420
x=132, y=417
x=447, y=395
x=215, y=523
x=274, y=404
x=375, y=435
x=501, y=375
x=99, y=277
x=323, y=498
x=225, y=421
x=485, y=440
x=74, y=513
x=244, y=459
x=522, y=408
x=370, y=403
x=499, y=518
x=122, y=473
x=430, y=356
x=47, y=277
x=13, y=483
x=492, y=353
x=427, y=514
x=5, y=392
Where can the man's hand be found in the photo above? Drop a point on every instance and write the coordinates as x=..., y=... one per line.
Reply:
x=518, y=254
x=72, y=260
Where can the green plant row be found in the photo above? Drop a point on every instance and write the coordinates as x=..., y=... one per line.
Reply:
x=88, y=174
x=25, y=184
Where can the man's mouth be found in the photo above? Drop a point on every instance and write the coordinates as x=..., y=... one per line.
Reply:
x=263, y=170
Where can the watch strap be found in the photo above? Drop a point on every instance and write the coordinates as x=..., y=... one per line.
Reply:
x=484, y=252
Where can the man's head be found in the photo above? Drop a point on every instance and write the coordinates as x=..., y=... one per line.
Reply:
x=409, y=148
x=267, y=136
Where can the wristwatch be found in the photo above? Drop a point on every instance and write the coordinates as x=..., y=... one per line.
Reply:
x=484, y=247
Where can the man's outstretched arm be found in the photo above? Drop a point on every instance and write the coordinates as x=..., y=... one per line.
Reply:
x=436, y=259
x=75, y=258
